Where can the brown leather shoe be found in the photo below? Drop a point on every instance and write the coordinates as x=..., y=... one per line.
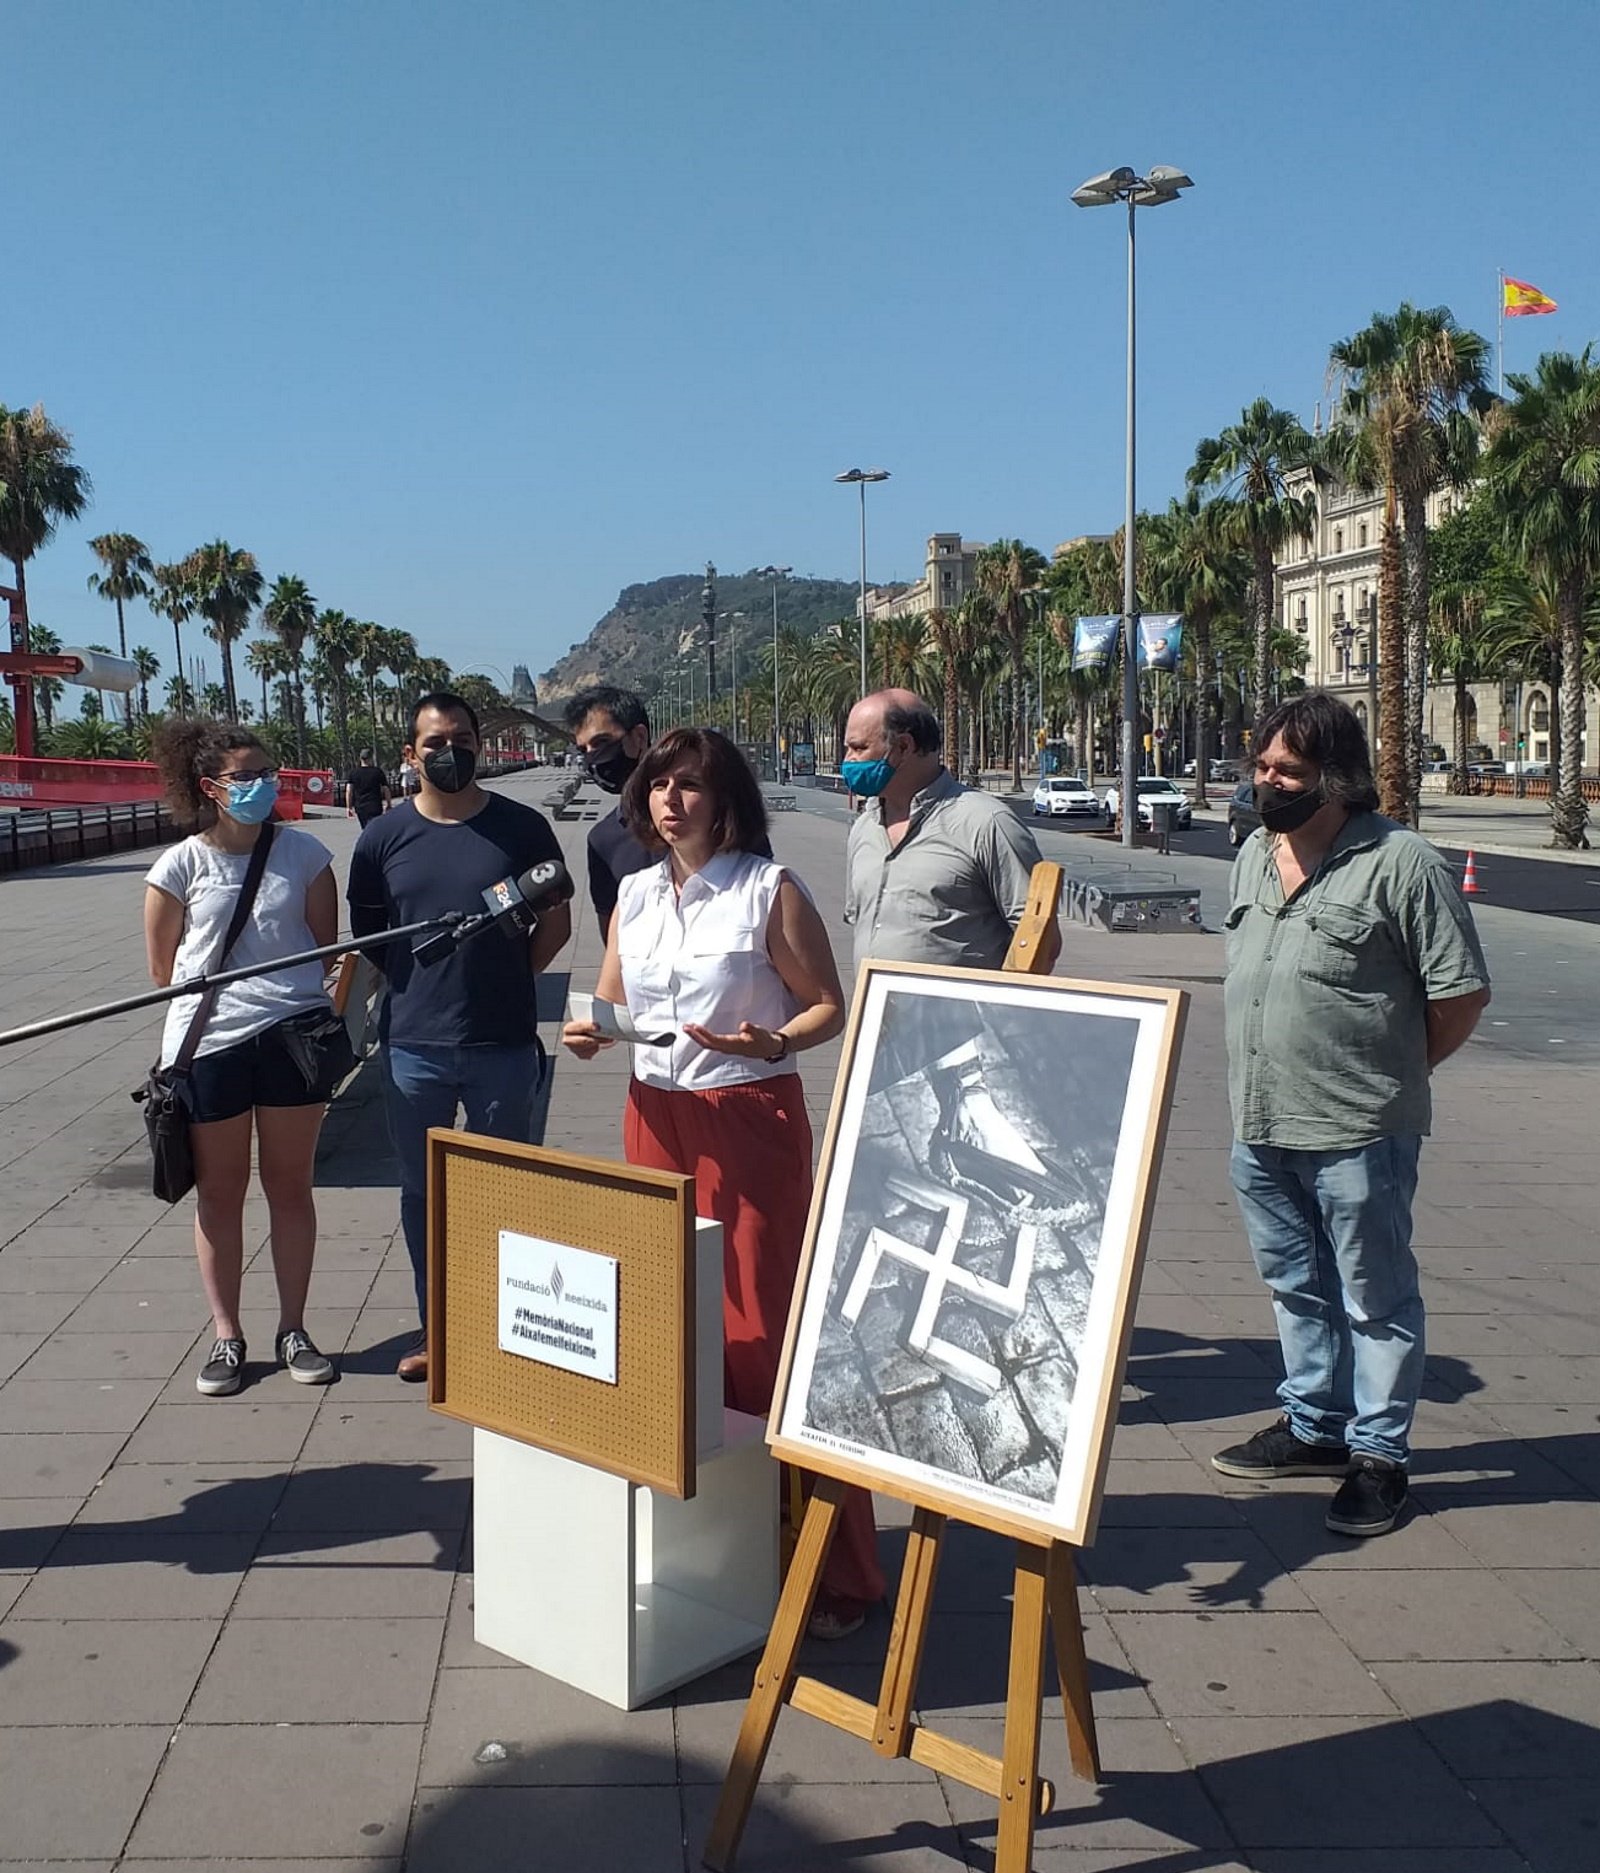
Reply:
x=413, y=1366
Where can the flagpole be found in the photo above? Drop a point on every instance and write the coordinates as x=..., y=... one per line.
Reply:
x=1500, y=336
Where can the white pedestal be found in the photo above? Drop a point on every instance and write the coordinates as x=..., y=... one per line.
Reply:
x=610, y=1587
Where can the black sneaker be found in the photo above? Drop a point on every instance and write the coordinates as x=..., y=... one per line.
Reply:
x=1276, y=1451
x=223, y=1372
x=1370, y=1498
x=301, y=1360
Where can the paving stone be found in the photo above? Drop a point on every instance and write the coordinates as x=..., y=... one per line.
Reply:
x=101, y=1671
x=804, y=1750
x=1566, y=1598
x=31, y=1526
x=60, y=1463
x=899, y=1829
x=55, y=1405
x=188, y=1498
x=244, y=1428
x=138, y=1575
x=16, y=1349
x=1427, y=1614
x=964, y=1671
x=1242, y=1664
x=314, y=1791
x=1149, y=1570
x=1148, y=1798
x=97, y=1356
x=461, y=1647
x=538, y=1724
x=1287, y=1781
x=72, y=1793
x=1555, y=1823
x=38, y=1313
x=48, y=1274
x=374, y=1498
x=404, y=1431
x=133, y=1313
x=626, y=1826
x=1395, y=1860
x=405, y=1576
x=1506, y=1534
x=320, y=1671
x=148, y=1275
x=1289, y=1520
x=1530, y=1718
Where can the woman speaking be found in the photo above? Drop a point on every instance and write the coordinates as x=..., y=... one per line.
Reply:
x=724, y=947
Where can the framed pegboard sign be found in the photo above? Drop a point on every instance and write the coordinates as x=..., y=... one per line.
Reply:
x=497, y=1213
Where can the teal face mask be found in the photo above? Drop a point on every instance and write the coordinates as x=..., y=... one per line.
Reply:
x=867, y=778
x=251, y=801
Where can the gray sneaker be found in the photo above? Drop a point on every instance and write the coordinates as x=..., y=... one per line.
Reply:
x=223, y=1372
x=301, y=1360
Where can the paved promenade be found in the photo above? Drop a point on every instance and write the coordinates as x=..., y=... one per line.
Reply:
x=240, y=1630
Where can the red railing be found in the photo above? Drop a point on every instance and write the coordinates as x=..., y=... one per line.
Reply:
x=45, y=781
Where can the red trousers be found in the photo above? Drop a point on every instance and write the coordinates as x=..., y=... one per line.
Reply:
x=748, y=1149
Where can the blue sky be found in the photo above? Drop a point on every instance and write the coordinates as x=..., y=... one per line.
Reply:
x=473, y=314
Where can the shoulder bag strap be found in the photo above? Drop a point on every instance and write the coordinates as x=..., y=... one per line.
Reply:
x=241, y=910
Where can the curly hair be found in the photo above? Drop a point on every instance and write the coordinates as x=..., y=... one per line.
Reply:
x=1321, y=728
x=188, y=748
x=740, y=822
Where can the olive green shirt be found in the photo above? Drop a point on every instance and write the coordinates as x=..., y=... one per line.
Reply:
x=1327, y=993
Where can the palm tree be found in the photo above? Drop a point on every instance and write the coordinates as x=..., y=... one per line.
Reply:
x=1411, y=385
x=1543, y=472
x=335, y=636
x=290, y=613
x=1467, y=567
x=171, y=598
x=127, y=565
x=947, y=637
x=1008, y=573
x=47, y=690
x=266, y=658
x=900, y=650
x=370, y=652
x=148, y=664
x=179, y=696
x=1250, y=464
x=1197, y=568
x=40, y=486
x=226, y=582
x=400, y=660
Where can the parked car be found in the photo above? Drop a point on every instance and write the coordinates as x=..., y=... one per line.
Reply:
x=1216, y=769
x=1065, y=796
x=1148, y=789
x=1243, y=818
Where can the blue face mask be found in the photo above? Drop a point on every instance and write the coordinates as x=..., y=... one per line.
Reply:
x=251, y=801
x=867, y=778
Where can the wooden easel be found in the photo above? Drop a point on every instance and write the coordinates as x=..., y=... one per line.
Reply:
x=1045, y=1595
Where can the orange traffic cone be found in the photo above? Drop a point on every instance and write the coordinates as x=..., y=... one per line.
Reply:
x=1469, y=884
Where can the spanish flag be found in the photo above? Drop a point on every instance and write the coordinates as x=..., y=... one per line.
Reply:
x=1522, y=301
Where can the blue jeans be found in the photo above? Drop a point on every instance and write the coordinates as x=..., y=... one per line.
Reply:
x=1331, y=1235
x=423, y=1086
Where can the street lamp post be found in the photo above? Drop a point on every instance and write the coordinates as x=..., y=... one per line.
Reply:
x=734, y=620
x=775, y=573
x=861, y=476
x=1152, y=191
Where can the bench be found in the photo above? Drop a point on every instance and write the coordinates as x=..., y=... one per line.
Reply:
x=780, y=803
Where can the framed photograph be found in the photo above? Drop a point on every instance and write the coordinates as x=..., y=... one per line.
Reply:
x=960, y=1324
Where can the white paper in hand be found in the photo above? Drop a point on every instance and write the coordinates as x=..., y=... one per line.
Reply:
x=614, y=1022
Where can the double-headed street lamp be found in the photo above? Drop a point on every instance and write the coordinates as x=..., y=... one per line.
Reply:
x=862, y=476
x=734, y=620
x=1160, y=186
x=775, y=573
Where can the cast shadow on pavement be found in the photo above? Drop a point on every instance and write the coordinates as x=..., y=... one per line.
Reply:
x=318, y=1508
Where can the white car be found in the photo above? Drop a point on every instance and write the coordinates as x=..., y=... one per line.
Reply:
x=1150, y=788
x=1063, y=796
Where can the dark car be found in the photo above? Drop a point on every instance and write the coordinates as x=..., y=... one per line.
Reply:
x=1243, y=818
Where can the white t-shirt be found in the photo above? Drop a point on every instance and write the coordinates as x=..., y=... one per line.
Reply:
x=206, y=882
x=701, y=956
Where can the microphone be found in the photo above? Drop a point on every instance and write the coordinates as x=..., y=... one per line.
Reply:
x=513, y=905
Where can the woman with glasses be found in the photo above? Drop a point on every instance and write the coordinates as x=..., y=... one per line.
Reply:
x=248, y=1075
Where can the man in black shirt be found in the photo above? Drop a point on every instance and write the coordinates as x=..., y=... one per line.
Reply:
x=366, y=793
x=461, y=1032
x=611, y=732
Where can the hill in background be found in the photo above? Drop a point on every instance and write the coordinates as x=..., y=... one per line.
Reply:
x=648, y=629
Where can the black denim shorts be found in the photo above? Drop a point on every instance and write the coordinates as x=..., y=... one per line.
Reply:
x=256, y=1072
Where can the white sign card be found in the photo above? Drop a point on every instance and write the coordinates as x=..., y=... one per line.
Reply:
x=558, y=1305
x=615, y=1022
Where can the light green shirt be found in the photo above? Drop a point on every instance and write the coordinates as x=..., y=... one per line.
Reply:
x=951, y=892
x=1327, y=991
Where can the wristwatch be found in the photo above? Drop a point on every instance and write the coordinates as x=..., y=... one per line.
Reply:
x=783, y=1049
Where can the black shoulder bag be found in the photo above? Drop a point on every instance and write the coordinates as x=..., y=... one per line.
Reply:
x=166, y=1092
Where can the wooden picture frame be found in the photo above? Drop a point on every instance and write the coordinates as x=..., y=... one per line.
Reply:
x=643, y=1427
x=961, y=1319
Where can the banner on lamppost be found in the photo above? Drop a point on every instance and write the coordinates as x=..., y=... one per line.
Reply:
x=1094, y=643
x=1160, y=640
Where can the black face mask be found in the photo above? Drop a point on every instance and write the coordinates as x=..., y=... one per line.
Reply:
x=611, y=771
x=450, y=769
x=1283, y=811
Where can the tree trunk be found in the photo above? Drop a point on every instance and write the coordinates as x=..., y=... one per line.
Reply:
x=299, y=713
x=1569, y=812
x=177, y=651
x=1266, y=616
x=122, y=651
x=1458, y=754
x=229, y=691
x=1391, y=761
x=952, y=714
x=1019, y=651
x=1416, y=633
x=1200, y=624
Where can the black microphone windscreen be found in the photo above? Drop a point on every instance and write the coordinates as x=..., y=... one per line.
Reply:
x=546, y=884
